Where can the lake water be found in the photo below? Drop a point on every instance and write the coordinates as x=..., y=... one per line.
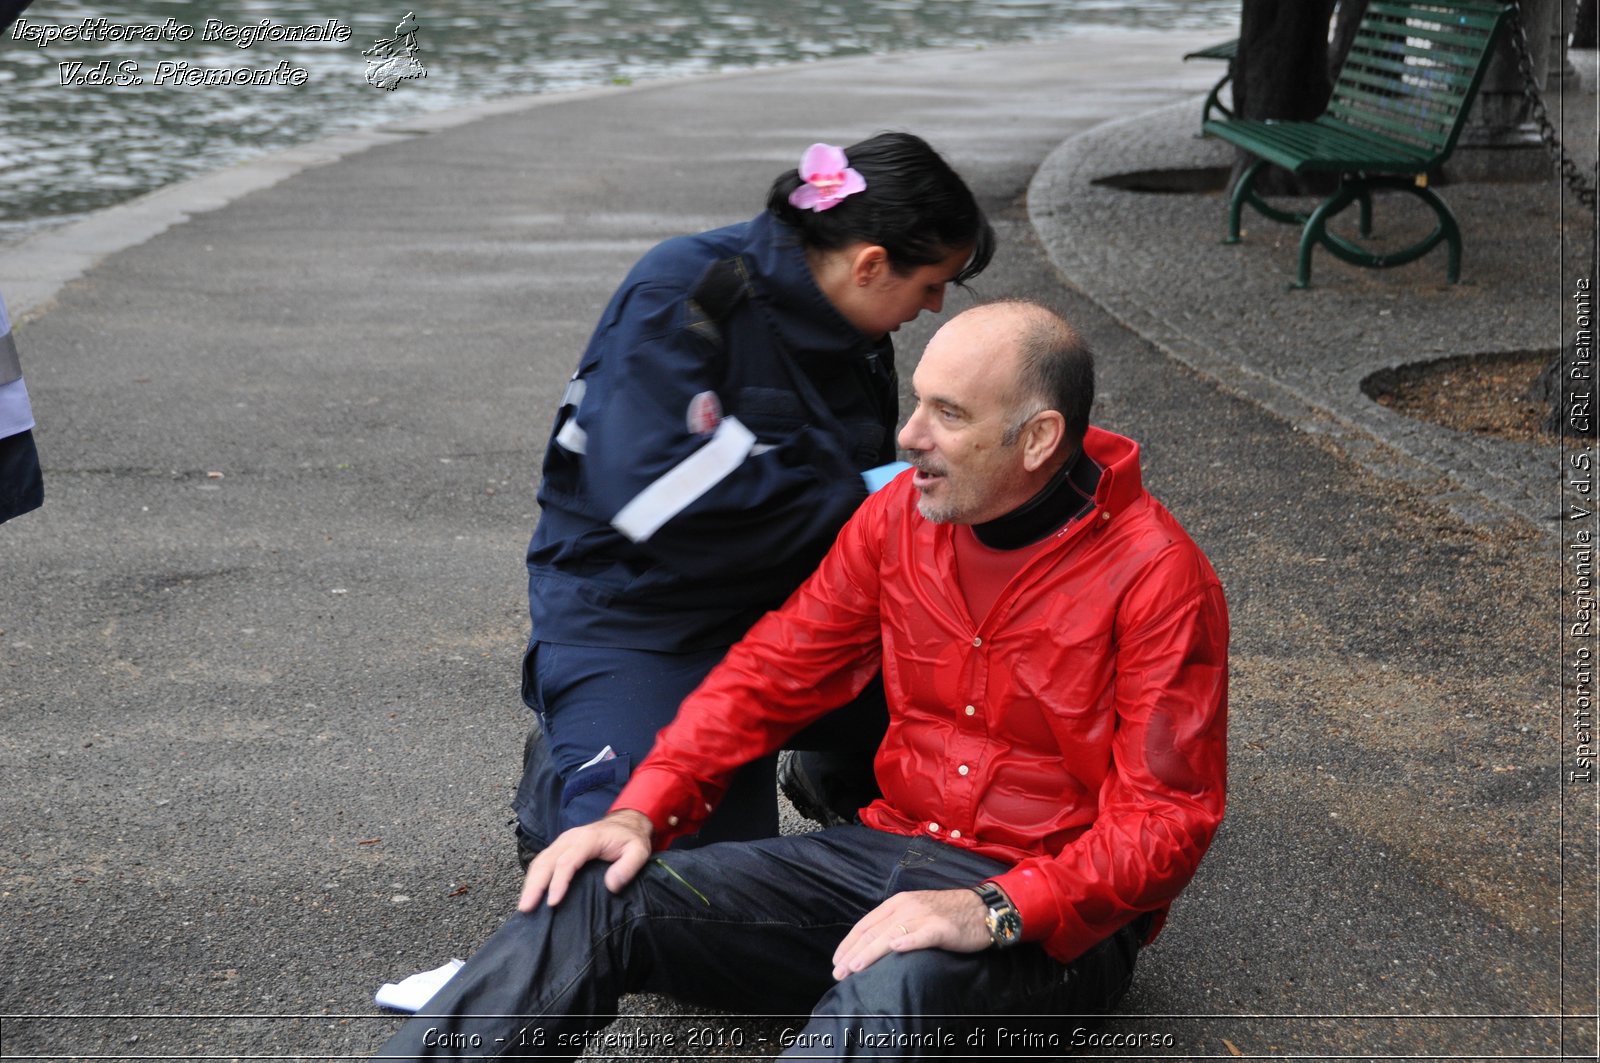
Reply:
x=70, y=143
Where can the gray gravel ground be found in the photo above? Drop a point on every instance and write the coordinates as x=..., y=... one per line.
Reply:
x=261, y=727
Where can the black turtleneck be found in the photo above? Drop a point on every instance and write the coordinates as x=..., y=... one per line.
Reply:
x=1068, y=495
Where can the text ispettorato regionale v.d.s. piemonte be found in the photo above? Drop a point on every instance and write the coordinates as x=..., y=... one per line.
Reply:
x=173, y=73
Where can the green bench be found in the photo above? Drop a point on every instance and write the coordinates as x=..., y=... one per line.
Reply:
x=1227, y=51
x=1398, y=106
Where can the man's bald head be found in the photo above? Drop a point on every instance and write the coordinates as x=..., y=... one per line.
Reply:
x=1054, y=368
x=1003, y=396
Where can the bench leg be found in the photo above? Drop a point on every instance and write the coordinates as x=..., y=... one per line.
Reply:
x=1449, y=231
x=1358, y=190
x=1245, y=192
x=1214, y=103
x=1241, y=192
x=1316, y=230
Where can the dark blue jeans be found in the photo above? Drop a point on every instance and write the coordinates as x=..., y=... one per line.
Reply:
x=750, y=927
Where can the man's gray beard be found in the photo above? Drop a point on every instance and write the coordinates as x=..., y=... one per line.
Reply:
x=935, y=513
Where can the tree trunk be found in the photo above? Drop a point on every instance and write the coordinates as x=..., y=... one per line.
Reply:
x=1583, y=25
x=1282, y=63
x=1344, y=34
x=1281, y=70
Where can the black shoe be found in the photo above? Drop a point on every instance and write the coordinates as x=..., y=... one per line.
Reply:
x=812, y=784
x=538, y=796
x=527, y=849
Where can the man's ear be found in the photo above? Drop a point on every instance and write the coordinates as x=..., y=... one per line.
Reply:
x=868, y=264
x=1044, y=438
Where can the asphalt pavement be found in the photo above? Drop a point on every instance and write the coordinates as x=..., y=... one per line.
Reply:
x=258, y=653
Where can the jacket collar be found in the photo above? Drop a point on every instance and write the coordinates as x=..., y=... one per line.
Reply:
x=787, y=293
x=1102, y=479
x=1121, y=484
x=1069, y=494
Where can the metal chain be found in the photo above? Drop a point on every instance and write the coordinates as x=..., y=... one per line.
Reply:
x=1536, y=108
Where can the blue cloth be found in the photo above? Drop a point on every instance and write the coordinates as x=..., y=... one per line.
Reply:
x=591, y=700
x=750, y=927
x=877, y=479
x=16, y=413
x=21, y=480
x=705, y=455
x=594, y=700
x=699, y=468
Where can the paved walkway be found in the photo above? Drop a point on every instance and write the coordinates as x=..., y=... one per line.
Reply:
x=258, y=653
x=1157, y=262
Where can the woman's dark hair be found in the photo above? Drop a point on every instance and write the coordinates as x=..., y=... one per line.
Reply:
x=915, y=207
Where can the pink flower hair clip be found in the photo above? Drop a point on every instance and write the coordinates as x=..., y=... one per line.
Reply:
x=829, y=179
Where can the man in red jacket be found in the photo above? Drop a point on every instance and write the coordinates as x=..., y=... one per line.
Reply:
x=1054, y=651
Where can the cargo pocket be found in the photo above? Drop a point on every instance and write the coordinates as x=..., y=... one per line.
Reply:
x=588, y=792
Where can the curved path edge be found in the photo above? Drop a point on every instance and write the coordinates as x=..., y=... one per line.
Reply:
x=34, y=269
x=1156, y=263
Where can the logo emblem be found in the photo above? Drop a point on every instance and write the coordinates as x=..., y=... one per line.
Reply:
x=705, y=413
x=394, y=59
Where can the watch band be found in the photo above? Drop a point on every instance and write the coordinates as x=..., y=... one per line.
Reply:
x=1002, y=918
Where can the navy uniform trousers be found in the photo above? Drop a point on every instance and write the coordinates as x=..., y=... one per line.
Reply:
x=21, y=482
x=590, y=698
x=750, y=928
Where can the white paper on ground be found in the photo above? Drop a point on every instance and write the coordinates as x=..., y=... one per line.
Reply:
x=412, y=993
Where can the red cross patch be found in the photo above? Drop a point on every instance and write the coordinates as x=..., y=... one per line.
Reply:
x=705, y=413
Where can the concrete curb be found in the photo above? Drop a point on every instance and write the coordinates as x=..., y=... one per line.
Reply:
x=1155, y=262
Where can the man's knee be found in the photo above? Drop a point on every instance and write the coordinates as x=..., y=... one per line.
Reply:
x=923, y=981
x=1021, y=981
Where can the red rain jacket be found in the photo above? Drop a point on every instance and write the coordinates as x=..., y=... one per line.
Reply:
x=1078, y=732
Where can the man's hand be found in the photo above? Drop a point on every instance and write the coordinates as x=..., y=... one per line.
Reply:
x=925, y=919
x=622, y=839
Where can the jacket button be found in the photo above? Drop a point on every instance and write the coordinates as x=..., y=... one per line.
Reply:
x=933, y=828
x=963, y=770
x=672, y=821
x=977, y=642
x=972, y=710
x=955, y=834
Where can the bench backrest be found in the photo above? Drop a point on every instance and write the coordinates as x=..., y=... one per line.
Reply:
x=1414, y=69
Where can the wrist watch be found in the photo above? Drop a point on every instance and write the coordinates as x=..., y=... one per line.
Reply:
x=1002, y=918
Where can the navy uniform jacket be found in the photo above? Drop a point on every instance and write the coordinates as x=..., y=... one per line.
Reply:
x=708, y=449
x=21, y=482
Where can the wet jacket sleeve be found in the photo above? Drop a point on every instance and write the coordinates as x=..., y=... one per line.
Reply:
x=687, y=482
x=1163, y=799
x=798, y=663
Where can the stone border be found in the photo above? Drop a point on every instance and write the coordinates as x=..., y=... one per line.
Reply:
x=1232, y=327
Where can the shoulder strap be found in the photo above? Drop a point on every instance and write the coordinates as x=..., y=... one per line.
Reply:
x=722, y=287
x=719, y=291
